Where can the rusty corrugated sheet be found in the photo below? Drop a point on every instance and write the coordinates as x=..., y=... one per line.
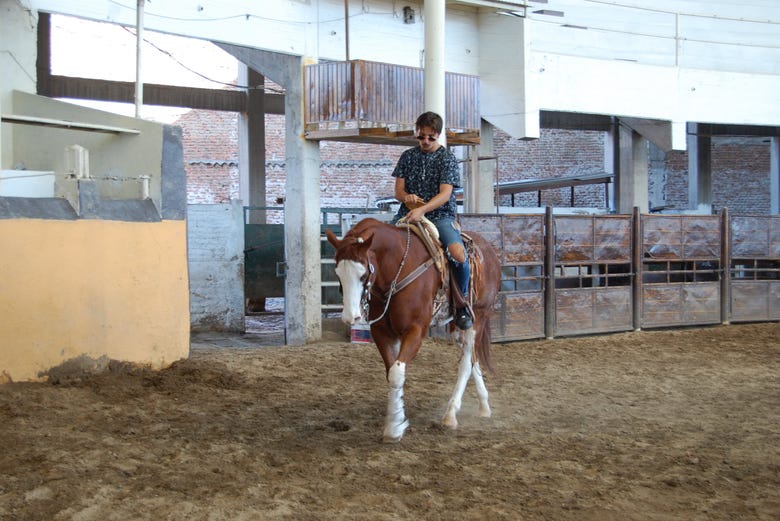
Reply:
x=605, y=239
x=364, y=93
x=592, y=310
x=680, y=304
x=755, y=300
x=681, y=237
x=755, y=237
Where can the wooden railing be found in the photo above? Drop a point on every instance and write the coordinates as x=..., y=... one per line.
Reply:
x=363, y=94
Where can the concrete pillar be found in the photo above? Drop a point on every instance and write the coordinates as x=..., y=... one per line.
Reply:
x=611, y=157
x=251, y=145
x=484, y=196
x=699, y=170
x=774, y=175
x=631, y=186
x=303, y=281
x=302, y=247
x=434, y=100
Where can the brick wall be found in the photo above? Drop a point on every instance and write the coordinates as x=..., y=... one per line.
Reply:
x=556, y=153
x=740, y=176
x=355, y=175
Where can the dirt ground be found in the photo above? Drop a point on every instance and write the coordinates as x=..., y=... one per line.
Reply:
x=652, y=425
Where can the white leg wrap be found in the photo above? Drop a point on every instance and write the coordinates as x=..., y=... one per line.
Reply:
x=395, y=420
x=464, y=372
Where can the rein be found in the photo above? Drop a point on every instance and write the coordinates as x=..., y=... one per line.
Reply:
x=394, y=287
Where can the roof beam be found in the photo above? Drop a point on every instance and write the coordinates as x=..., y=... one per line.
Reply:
x=154, y=94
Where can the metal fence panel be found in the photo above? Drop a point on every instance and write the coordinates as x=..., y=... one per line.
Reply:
x=518, y=316
x=680, y=270
x=678, y=304
x=593, y=292
x=755, y=301
x=755, y=268
x=592, y=310
x=519, y=242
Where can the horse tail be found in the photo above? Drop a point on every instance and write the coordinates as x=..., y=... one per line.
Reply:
x=482, y=343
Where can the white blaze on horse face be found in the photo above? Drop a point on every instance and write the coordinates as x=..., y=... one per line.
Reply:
x=351, y=274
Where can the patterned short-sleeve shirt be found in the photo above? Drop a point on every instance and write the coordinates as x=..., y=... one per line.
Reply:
x=423, y=173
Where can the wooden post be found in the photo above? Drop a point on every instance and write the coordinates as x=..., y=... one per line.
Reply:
x=549, y=276
x=725, y=266
x=636, y=284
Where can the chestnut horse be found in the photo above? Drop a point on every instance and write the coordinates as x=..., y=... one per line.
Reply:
x=387, y=274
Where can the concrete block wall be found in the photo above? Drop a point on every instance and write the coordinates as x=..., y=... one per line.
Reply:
x=216, y=266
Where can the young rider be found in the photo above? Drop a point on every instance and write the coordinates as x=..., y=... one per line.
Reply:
x=426, y=178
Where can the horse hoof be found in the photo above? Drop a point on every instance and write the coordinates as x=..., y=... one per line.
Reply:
x=394, y=435
x=450, y=421
x=391, y=439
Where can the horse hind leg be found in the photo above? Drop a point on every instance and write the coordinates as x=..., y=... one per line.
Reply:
x=482, y=392
x=395, y=420
x=465, y=368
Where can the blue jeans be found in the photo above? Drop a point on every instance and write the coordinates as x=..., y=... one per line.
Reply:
x=449, y=234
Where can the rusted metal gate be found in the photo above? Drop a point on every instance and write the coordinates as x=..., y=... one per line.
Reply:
x=519, y=241
x=680, y=270
x=592, y=274
x=754, y=264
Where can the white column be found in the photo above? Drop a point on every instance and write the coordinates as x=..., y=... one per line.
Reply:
x=631, y=187
x=699, y=169
x=139, y=40
x=434, y=17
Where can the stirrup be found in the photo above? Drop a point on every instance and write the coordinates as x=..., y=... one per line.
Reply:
x=463, y=319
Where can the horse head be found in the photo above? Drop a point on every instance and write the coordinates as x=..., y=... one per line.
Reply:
x=355, y=269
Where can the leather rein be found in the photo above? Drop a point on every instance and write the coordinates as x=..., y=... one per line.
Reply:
x=395, y=286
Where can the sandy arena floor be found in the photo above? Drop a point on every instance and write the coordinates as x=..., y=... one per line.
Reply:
x=652, y=425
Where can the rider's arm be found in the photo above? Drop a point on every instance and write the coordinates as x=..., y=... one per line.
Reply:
x=410, y=200
x=440, y=199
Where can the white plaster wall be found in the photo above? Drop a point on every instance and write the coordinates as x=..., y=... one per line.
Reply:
x=17, y=64
x=715, y=61
x=216, y=267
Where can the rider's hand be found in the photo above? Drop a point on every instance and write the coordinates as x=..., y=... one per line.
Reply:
x=415, y=215
x=413, y=201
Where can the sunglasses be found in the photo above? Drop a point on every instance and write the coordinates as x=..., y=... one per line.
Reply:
x=429, y=138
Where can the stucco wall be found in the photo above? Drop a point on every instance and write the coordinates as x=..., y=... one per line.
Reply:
x=215, y=234
x=73, y=288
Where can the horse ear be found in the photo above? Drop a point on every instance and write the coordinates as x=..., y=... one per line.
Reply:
x=332, y=238
x=366, y=243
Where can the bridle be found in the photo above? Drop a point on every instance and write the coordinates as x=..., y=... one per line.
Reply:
x=394, y=286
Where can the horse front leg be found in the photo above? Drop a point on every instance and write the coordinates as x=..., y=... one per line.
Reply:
x=395, y=420
x=465, y=366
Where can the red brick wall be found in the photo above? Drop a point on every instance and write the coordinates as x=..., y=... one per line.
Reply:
x=210, y=147
x=740, y=177
x=355, y=175
x=556, y=153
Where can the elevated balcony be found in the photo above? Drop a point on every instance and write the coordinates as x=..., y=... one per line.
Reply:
x=371, y=102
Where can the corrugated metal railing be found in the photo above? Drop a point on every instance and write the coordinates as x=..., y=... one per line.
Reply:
x=361, y=93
